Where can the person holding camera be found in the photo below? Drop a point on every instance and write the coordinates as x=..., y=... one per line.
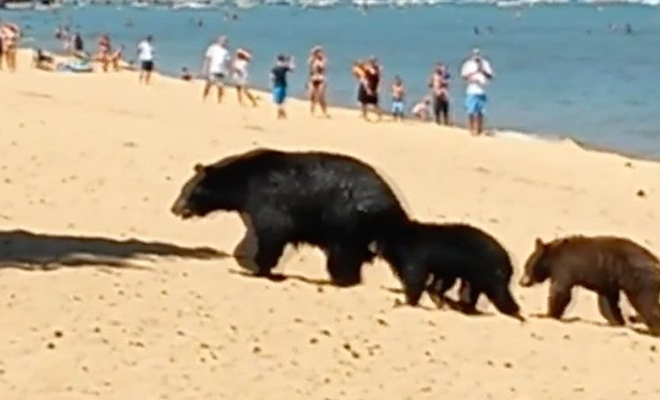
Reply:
x=476, y=72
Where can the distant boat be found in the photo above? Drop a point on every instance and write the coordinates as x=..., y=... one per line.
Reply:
x=194, y=5
x=140, y=4
x=17, y=5
x=318, y=3
x=246, y=4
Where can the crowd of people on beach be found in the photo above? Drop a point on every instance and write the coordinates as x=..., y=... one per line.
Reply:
x=222, y=67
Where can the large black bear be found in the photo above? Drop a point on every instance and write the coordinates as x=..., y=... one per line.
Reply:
x=433, y=257
x=604, y=264
x=335, y=202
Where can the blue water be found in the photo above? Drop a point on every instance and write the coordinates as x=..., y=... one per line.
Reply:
x=560, y=72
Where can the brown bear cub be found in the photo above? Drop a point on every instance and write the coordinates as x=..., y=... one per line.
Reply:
x=607, y=265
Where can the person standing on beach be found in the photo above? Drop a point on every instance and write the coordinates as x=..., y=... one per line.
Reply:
x=476, y=72
x=78, y=45
x=9, y=33
x=439, y=84
x=145, y=53
x=1, y=48
x=215, y=67
x=316, y=85
x=278, y=74
x=398, y=98
x=369, y=75
x=241, y=66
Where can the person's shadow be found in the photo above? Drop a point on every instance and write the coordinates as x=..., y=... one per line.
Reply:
x=40, y=251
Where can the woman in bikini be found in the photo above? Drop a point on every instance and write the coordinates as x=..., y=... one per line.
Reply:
x=317, y=83
x=105, y=52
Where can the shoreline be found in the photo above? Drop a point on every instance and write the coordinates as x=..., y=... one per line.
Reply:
x=490, y=131
x=502, y=133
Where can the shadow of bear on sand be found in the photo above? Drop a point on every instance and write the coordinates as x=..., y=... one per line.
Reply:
x=37, y=251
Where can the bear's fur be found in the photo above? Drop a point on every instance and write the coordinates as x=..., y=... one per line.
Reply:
x=604, y=264
x=433, y=257
x=334, y=202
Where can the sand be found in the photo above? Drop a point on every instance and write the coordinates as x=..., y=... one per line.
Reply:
x=89, y=161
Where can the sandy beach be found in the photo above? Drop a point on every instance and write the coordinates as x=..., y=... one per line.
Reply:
x=104, y=294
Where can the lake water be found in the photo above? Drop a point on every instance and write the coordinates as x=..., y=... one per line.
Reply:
x=560, y=70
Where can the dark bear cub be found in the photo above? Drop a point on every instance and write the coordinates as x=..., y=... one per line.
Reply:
x=607, y=265
x=431, y=258
x=335, y=202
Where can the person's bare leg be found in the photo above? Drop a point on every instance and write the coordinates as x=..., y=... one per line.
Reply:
x=480, y=124
x=363, y=107
x=250, y=97
x=239, y=93
x=221, y=91
x=323, y=102
x=11, y=59
x=207, y=90
x=147, y=78
x=312, y=99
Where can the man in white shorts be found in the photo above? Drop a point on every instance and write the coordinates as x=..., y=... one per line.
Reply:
x=215, y=67
x=476, y=72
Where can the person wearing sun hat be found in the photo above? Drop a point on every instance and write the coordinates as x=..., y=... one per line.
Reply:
x=240, y=67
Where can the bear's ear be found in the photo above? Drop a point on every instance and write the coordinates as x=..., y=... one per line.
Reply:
x=199, y=168
x=539, y=244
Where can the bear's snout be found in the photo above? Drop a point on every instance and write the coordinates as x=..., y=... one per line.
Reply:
x=180, y=210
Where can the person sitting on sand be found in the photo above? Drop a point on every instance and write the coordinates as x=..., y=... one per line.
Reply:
x=241, y=74
x=422, y=110
x=104, y=51
x=398, y=98
x=43, y=61
x=116, y=57
x=186, y=75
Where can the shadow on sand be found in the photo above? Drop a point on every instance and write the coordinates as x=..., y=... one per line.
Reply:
x=38, y=251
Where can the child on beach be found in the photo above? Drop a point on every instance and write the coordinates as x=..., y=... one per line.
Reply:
x=398, y=98
x=278, y=74
x=422, y=110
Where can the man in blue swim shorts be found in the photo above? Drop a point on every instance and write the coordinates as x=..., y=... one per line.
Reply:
x=476, y=72
x=278, y=75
